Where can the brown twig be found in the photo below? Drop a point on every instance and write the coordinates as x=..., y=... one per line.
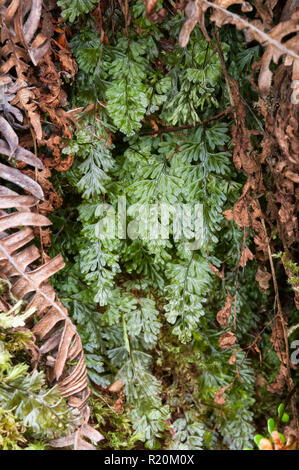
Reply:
x=190, y=126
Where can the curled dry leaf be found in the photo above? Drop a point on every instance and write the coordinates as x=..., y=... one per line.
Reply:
x=279, y=384
x=151, y=14
x=16, y=177
x=263, y=277
x=260, y=381
x=51, y=200
x=277, y=441
x=10, y=136
x=291, y=433
x=21, y=155
x=273, y=53
x=150, y=5
x=26, y=44
x=232, y=359
x=228, y=214
x=192, y=17
x=219, y=396
x=25, y=38
x=241, y=213
x=25, y=99
x=75, y=440
x=61, y=341
x=118, y=405
x=224, y=314
x=246, y=255
x=265, y=444
x=257, y=350
x=227, y=340
x=116, y=386
x=216, y=271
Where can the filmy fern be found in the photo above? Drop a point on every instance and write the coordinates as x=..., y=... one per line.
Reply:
x=130, y=294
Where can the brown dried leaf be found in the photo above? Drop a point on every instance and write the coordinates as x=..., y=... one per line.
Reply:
x=279, y=384
x=224, y=314
x=7, y=202
x=63, y=349
x=25, y=99
x=91, y=433
x=227, y=340
x=16, y=177
x=265, y=444
x=263, y=277
x=192, y=17
x=10, y=135
x=150, y=5
x=118, y=405
x=240, y=212
x=219, y=396
x=216, y=271
x=277, y=441
x=68, y=64
x=232, y=359
x=116, y=386
x=76, y=441
x=228, y=214
x=291, y=433
x=17, y=219
x=246, y=255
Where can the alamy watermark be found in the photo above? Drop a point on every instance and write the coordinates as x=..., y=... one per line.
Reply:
x=295, y=93
x=158, y=221
x=295, y=354
x=1, y=95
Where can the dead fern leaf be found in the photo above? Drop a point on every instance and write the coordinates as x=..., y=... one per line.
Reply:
x=224, y=314
x=227, y=340
x=60, y=346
